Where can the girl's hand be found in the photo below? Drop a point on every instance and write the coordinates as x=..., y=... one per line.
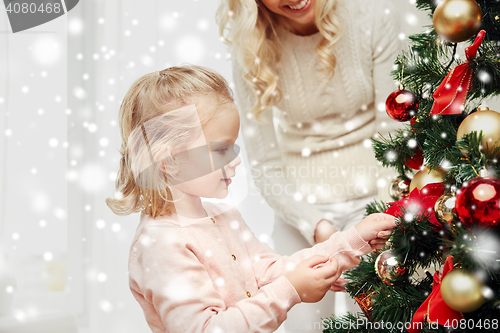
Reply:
x=313, y=277
x=324, y=229
x=339, y=285
x=376, y=228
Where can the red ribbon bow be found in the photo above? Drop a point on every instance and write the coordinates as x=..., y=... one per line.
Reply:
x=418, y=202
x=449, y=97
x=434, y=309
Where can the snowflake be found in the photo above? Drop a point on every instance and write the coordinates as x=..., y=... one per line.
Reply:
x=391, y=155
x=75, y=26
x=105, y=305
x=235, y=224
x=484, y=76
x=79, y=92
x=411, y=19
x=311, y=198
x=100, y=224
x=219, y=282
x=190, y=49
x=203, y=24
x=381, y=183
x=48, y=256
x=116, y=227
x=46, y=50
x=349, y=125
x=264, y=238
x=102, y=277
x=408, y=217
x=179, y=289
x=412, y=143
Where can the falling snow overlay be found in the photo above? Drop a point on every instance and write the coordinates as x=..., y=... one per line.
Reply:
x=61, y=85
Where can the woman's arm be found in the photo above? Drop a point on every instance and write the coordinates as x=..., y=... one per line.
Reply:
x=267, y=168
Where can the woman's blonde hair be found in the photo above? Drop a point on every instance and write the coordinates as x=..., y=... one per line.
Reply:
x=252, y=34
x=159, y=114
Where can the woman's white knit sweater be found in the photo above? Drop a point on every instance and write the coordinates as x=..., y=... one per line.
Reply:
x=318, y=148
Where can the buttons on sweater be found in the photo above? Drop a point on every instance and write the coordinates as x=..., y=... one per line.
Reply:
x=234, y=257
x=248, y=294
x=213, y=220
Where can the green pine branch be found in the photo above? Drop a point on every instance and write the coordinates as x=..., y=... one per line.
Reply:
x=416, y=242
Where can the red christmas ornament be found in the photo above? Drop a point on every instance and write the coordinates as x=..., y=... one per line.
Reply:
x=418, y=203
x=416, y=161
x=478, y=202
x=401, y=105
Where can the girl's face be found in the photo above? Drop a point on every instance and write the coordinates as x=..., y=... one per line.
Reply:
x=214, y=147
x=298, y=13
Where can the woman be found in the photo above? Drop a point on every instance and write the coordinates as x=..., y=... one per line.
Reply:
x=321, y=70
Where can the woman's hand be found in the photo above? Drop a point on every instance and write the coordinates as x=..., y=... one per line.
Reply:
x=324, y=229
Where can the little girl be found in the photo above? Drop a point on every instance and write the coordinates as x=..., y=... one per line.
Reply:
x=196, y=266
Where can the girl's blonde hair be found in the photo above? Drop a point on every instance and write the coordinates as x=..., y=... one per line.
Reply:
x=155, y=118
x=252, y=34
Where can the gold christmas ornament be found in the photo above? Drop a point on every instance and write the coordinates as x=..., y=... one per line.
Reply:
x=365, y=302
x=424, y=177
x=485, y=120
x=462, y=291
x=444, y=207
x=457, y=20
x=399, y=188
x=388, y=268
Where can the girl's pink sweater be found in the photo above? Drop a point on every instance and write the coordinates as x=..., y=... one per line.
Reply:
x=214, y=275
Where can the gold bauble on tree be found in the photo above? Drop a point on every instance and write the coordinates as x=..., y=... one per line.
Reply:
x=444, y=207
x=485, y=120
x=462, y=291
x=365, y=302
x=425, y=176
x=399, y=188
x=388, y=268
x=457, y=20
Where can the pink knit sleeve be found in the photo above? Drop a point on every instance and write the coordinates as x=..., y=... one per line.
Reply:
x=177, y=287
x=346, y=247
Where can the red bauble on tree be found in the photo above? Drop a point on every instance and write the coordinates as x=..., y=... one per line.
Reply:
x=401, y=105
x=416, y=161
x=478, y=203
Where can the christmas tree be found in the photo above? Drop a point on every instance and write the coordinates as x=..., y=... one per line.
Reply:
x=440, y=271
